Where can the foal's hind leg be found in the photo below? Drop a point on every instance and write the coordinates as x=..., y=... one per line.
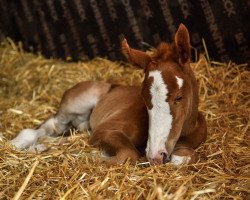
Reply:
x=75, y=108
x=116, y=144
x=81, y=122
x=184, y=152
x=53, y=126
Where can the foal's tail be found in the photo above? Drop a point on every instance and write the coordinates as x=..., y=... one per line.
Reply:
x=75, y=109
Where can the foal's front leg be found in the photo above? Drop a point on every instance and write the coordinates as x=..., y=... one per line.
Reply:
x=184, y=152
x=183, y=155
x=116, y=144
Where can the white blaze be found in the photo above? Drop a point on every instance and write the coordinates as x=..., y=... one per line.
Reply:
x=179, y=81
x=160, y=118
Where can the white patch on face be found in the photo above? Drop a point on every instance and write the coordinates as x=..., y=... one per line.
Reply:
x=180, y=160
x=179, y=81
x=160, y=118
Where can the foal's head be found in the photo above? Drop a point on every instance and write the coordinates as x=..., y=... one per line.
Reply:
x=169, y=91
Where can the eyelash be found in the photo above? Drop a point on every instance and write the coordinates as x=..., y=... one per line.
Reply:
x=177, y=99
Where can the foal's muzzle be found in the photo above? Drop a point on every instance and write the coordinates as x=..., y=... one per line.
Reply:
x=160, y=158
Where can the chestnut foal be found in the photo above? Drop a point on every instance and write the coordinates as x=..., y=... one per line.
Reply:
x=161, y=117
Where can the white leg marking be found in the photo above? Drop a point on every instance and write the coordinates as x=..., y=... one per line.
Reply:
x=83, y=126
x=49, y=126
x=55, y=126
x=27, y=138
x=105, y=154
x=179, y=81
x=37, y=148
x=160, y=118
x=81, y=122
x=180, y=160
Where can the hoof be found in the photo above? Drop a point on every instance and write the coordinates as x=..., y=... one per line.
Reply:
x=184, y=155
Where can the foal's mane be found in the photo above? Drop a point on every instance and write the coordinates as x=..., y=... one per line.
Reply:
x=164, y=52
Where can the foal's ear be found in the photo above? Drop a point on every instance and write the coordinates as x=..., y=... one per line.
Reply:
x=182, y=44
x=139, y=58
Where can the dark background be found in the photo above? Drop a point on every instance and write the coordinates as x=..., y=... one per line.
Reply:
x=83, y=29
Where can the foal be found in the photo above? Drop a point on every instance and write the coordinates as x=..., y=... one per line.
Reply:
x=160, y=117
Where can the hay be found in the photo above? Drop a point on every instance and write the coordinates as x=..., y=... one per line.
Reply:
x=31, y=88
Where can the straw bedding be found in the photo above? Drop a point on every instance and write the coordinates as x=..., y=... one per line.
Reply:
x=31, y=88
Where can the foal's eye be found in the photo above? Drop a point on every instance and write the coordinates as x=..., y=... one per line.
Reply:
x=178, y=98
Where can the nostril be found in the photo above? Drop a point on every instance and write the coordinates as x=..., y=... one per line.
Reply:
x=165, y=157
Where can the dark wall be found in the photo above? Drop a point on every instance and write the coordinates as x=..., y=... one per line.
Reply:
x=87, y=28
